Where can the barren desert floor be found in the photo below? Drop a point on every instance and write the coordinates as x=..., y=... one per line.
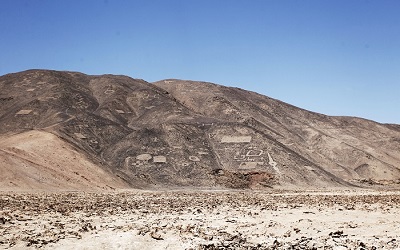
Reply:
x=200, y=220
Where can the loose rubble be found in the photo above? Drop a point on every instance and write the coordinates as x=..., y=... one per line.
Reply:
x=200, y=220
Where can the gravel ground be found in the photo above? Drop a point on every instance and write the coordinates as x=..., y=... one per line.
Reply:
x=200, y=220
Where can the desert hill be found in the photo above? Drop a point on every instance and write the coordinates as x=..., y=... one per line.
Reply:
x=68, y=130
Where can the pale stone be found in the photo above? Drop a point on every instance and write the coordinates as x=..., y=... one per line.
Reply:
x=159, y=159
x=79, y=136
x=194, y=158
x=24, y=112
x=144, y=157
x=309, y=168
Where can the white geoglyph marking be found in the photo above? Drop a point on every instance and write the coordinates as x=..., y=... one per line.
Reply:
x=80, y=136
x=24, y=112
x=159, y=159
x=273, y=163
x=236, y=139
x=254, y=152
x=144, y=157
x=239, y=157
x=194, y=158
x=109, y=91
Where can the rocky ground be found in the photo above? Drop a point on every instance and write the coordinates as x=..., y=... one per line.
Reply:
x=200, y=220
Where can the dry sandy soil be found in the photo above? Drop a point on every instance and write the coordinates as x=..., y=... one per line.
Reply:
x=200, y=220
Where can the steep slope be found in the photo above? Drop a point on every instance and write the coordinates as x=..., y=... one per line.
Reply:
x=176, y=133
x=352, y=149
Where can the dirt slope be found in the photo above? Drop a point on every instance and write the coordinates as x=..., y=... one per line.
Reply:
x=37, y=160
x=347, y=147
x=176, y=133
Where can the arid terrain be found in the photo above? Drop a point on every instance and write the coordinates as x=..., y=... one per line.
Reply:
x=112, y=162
x=200, y=220
x=70, y=131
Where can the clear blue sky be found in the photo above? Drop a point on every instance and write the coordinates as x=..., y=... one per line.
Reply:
x=338, y=57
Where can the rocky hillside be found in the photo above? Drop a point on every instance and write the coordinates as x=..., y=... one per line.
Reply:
x=68, y=130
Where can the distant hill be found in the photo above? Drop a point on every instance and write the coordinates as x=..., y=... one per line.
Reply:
x=68, y=130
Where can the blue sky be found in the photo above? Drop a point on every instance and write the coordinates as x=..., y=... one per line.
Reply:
x=338, y=57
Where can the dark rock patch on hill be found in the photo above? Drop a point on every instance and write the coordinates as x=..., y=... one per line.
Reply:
x=176, y=133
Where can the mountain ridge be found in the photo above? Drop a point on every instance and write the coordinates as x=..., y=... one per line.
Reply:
x=179, y=133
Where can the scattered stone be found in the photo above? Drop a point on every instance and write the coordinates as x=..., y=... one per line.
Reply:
x=337, y=234
x=198, y=220
x=156, y=236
